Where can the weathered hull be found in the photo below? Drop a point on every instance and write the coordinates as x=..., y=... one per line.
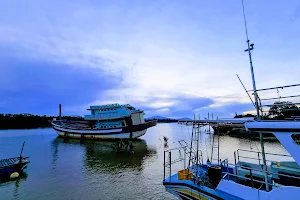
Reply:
x=131, y=132
x=187, y=193
x=9, y=166
x=98, y=136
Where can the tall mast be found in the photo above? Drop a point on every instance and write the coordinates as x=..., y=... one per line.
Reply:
x=250, y=48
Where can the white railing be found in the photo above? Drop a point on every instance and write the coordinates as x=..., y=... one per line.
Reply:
x=104, y=116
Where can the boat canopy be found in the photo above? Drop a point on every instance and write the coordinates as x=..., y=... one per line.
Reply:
x=107, y=106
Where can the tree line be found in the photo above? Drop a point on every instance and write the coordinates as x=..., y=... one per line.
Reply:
x=280, y=110
x=25, y=120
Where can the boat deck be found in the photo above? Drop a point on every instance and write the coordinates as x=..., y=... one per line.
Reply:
x=204, y=186
x=9, y=162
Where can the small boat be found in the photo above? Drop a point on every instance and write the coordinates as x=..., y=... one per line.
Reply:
x=112, y=121
x=9, y=166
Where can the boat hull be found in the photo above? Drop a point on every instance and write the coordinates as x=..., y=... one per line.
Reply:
x=99, y=136
x=186, y=193
x=132, y=132
x=11, y=165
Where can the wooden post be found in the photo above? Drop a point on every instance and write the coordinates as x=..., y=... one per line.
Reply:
x=170, y=163
x=164, y=164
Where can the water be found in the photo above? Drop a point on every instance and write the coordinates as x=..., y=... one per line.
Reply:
x=69, y=169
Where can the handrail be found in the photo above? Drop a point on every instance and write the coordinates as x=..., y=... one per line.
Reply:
x=281, y=97
x=275, y=154
x=255, y=159
x=174, y=148
x=243, y=177
x=250, y=168
x=273, y=88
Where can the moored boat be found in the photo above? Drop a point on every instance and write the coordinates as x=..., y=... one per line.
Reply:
x=9, y=166
x=112, y=121
x=254, y=176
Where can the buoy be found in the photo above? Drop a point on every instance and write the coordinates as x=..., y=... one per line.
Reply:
x=278, y=164
x=14, y=175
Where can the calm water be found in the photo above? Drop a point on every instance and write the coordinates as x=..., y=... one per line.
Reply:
x=69, y=169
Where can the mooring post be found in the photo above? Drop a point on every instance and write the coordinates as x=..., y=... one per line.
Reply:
x=164, y=164
x=170, y=163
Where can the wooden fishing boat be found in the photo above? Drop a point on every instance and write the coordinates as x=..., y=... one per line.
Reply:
x=112, y=121
x=10, y=165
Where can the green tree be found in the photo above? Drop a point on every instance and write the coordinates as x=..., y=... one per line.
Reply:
x=283, y=109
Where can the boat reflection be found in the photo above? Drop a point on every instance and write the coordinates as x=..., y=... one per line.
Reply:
x=100, y=156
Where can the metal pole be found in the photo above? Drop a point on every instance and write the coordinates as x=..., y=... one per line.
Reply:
x=170, y=163
x=256, y=101
x=21, y=152
x=218, y=145
x=251, y=178
x=60, y=114
x=208, y=124
x=184, y=163
x=246, y=91
x=236, y=171
x=164, y=164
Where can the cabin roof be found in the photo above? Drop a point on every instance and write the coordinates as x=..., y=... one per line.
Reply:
x=115, y=105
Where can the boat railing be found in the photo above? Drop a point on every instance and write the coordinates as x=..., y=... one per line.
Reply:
x=264, y=101
x=193, y=155
x=173, y=157
x=271, y=181
x=104, y=116
x=241, y=154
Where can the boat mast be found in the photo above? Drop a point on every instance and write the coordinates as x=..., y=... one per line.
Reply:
x=250, y=48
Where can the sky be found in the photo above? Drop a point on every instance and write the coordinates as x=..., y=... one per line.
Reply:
x=169, y=58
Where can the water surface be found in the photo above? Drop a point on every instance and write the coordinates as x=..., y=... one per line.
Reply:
x=70, y=169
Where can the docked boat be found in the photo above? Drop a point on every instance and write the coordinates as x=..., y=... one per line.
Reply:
x=11, y=167
x=267, y=176
x=112, y=121
x=252, y=176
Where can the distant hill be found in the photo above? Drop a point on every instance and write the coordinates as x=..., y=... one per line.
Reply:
x=185, y=119
x=158, y=117
x=166, y=118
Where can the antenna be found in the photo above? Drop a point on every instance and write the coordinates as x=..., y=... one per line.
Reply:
x=250, y=48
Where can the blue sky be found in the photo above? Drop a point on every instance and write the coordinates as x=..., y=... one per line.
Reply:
x=170, y=58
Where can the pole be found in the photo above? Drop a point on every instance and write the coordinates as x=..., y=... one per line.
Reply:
x=170, y=163
x=164, y=164
x=60, y=113
x=218, y=145
x=246, y=90
x=21, y=152
x=208, y=124
x=256, y=101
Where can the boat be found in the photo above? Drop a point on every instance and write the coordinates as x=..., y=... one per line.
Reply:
x=8, y=166
x=254, y=175
x=111, y=121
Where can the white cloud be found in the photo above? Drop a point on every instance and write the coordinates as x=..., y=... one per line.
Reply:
x=154, y=57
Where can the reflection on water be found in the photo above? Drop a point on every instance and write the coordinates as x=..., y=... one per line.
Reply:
x=99, y=156
x=16, y=183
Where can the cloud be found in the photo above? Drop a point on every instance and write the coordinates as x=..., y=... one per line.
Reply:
x=155, y=55
x=38, y=87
